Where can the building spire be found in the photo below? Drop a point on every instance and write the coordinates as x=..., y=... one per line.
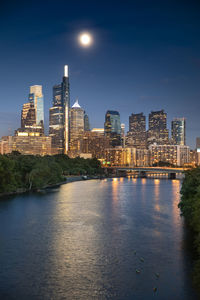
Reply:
x=76, y=104
x=66, y=71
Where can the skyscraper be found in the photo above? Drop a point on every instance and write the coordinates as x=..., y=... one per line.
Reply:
x=59, y=115
x=86, y=122
x=76, y=128
x=178, y=131
x=136, y=135
x=158, y=132
x=36, y=97
x=112, y=127
x=32, y=115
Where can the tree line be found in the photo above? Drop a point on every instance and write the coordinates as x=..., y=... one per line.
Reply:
x=190, y=209
x=28, y=172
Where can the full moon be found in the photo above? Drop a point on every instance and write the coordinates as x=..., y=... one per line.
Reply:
x=85, y=39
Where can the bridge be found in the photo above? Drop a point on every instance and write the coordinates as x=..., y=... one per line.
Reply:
x=143, y=172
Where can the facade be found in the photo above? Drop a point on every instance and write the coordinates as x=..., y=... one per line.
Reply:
x=112, y=127
x=36, y=97
x=158, y=132
x=95, y=142
x=76, y=129
x=123, y=137
x=28, y=115
x=178, y=131
x=32, y=114
x=26, y=144
x=129, y=156
x=59, y=116
x=86, y=122
x=174, y=154
x=136, y=136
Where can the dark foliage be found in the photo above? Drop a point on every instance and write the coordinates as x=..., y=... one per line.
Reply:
x=30, y=172
x=190, y=209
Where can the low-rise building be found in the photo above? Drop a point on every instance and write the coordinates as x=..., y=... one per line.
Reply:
x=174, y=154
x=26, y=144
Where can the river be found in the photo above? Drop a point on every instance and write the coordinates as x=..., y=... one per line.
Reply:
x=85, y=240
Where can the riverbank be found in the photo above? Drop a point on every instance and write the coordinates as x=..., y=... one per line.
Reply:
x=24, y=173
x=190, y=209
x=68, y=179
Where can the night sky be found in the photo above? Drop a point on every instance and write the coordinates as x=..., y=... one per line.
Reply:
x=145, y=56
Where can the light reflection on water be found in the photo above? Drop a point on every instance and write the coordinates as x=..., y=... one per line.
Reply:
x=80, y=241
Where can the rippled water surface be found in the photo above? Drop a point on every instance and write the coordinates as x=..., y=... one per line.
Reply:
x=86, y=240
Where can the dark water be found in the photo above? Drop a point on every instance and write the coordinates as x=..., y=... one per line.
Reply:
x=78, y=242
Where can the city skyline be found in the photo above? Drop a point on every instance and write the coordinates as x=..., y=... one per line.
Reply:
x=155, y=62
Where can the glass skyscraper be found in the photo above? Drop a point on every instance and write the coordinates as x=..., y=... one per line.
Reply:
x=36, y=97
x=112, y=127
x=178, y=131
x=59, y=115
x=32, y=115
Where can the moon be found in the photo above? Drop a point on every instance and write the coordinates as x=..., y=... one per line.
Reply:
x=85, y=39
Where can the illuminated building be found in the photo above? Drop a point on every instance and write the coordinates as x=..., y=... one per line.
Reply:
x=36, y=97
x=136, y=136
x=123, y=138
x=76, y=129
x=174, y=154
x=86, y=122
x=98, y=130
x=178, y=131
x=59, y=116
x=198, y=150
x=194, y=158
x=26, y=144
x=158, y=132
x=95, y=142
x=129, y=156
x=32, y=115
x=112, y=127
x=28, y=115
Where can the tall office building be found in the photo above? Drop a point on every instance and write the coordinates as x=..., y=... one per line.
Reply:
x=59, y=115
x=76, y=128
x=136, y=136
x=28, y=115
x=158, y=132
x=36, y=97
x=86, y=122
x=112, y=127
x=32, y=114
x=178, y=131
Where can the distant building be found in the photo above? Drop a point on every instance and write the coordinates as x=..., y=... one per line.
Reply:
x=158, y=132
x=26, y=144
x=198, y=150
x=32, y=115
x=98, y=130
x=112, y=127
x=174, y=154
x=129, y=156
x=36, y=97
x=95, y=142
x=86, y=122
x=123, y=138
x=59, y=115
x=76, y=128
x=136, y=136
x=178, y=131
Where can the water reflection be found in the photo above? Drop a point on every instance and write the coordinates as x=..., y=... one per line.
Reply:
x=82, y=245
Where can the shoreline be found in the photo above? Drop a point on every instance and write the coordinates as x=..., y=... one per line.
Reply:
x=69, y=179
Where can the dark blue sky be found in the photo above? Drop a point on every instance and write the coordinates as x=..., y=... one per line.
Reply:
x=146, y=56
